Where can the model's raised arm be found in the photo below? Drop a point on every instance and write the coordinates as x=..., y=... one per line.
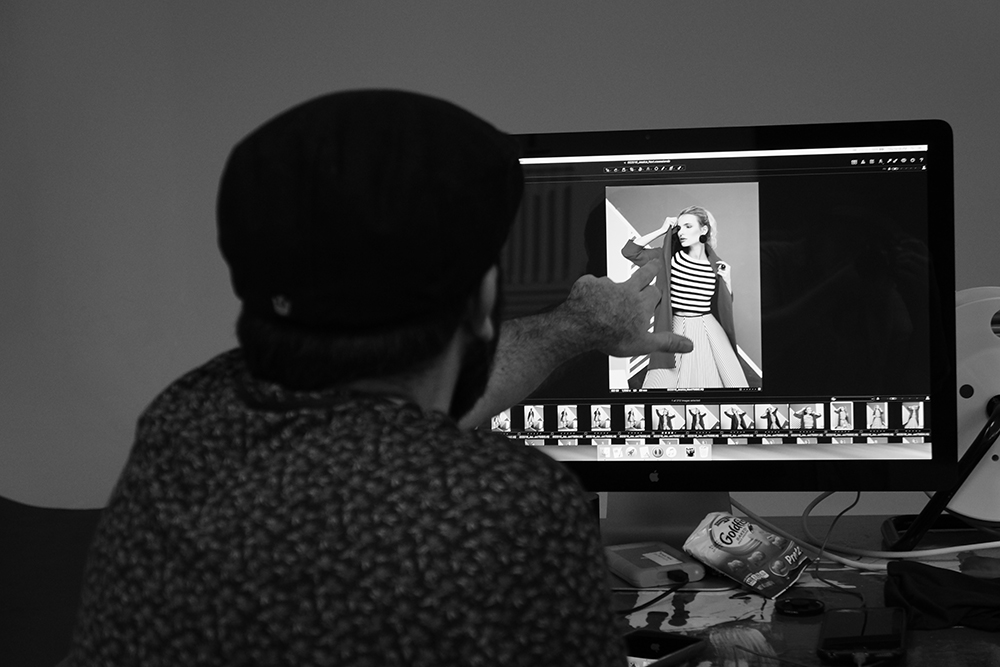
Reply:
x=646, y=239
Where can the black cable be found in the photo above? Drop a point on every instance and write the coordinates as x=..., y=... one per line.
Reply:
x=679, y=576
x=826, y=540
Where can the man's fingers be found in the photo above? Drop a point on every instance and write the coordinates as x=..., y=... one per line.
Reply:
x=670, y=342
x=647, y=343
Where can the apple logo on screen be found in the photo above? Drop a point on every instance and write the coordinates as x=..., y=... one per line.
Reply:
x=654, y=476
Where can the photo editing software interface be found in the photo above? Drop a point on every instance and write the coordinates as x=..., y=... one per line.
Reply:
x=801, y=275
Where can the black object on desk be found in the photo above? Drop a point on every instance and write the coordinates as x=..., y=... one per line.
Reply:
x=651, y=648
x=868, y=634
x=946, y=531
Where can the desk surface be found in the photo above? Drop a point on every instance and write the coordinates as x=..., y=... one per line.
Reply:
x=734, y=618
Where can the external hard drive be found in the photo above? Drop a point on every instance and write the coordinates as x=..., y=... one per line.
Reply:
x=650, y=564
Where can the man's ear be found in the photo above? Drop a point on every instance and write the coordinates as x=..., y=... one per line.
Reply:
x=482, y=303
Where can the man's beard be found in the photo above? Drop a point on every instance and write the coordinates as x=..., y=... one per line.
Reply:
x=474, y=372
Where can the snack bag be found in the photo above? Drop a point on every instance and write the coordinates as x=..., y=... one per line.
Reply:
x=757, y=558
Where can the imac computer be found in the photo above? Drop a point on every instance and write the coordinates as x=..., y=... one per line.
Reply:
x=812, y=266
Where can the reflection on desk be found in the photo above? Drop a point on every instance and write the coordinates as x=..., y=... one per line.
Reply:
x=736, y=619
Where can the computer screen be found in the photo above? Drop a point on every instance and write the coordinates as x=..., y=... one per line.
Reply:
x=812, y=266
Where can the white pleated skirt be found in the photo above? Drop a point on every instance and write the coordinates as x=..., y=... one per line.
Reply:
x=712, y=362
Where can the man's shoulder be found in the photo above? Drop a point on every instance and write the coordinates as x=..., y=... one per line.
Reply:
x=207, y=379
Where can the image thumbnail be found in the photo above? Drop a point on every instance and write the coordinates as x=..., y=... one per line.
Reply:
x=913, y=415
x=876, y=414
x=635, y=417
x=807, y=416
x=702, y=417
x=771, y=417
x=737, y=417
x=668, y=418
x=842, y=415
x=600, y=418
x=501, y=422
x=534, y=418
x=567, y=418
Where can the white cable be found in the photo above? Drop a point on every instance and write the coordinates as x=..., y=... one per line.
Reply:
x=814, y=549
x=892, y=555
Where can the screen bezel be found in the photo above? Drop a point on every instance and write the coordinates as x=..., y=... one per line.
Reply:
x=802, y=475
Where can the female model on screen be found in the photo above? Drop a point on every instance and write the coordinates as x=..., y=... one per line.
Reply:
x=697, y=302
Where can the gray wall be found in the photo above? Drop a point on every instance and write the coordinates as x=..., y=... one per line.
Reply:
x=116, y=118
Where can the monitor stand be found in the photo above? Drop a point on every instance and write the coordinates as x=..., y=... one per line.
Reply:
x=628, y=517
